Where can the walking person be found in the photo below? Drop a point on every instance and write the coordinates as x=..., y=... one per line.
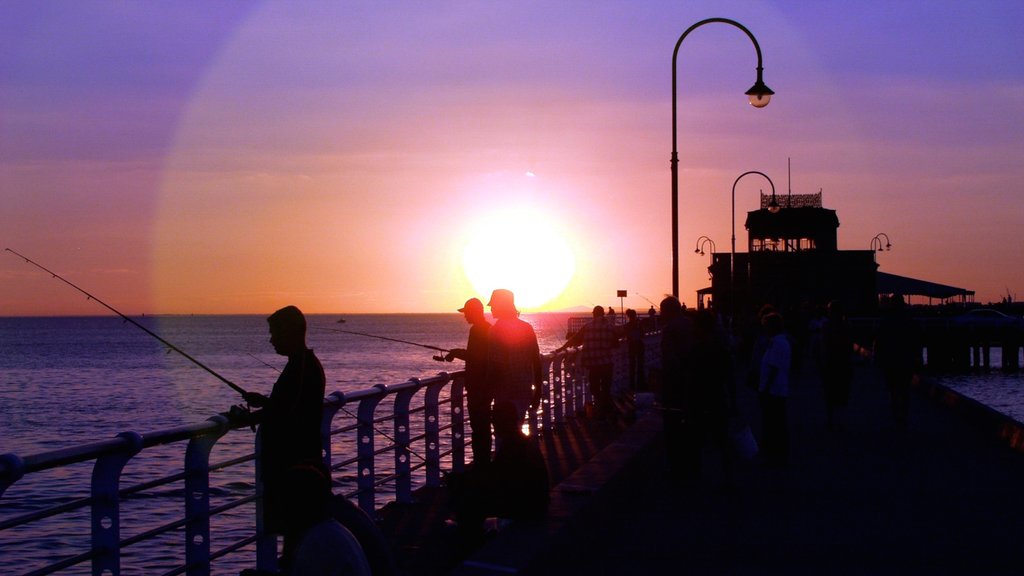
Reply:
x=599, y=340
x=713, y=398
x=774, y=390
x=635, y=343
x=479, y=395
x=836, y=364
x=514, y=371
x=677, y=335
x=289, y=434
x=898, y=354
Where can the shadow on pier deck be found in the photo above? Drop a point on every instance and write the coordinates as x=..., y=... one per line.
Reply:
x=942, y=497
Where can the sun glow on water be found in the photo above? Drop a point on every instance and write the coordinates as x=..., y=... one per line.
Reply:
x=521, y=250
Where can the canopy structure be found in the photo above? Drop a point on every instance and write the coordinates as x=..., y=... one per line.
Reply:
x=893, y=284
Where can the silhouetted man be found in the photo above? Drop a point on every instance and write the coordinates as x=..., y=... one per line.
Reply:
x=599, y=341
x=479, y=394
x=635, y=341
x=290, y=431
x=514, y=371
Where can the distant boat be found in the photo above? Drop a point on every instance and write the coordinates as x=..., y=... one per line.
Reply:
x=341, y=320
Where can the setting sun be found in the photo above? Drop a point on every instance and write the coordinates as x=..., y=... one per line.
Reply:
x=521, y=250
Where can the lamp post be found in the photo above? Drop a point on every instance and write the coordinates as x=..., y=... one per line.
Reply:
x=759, y=96
x=877, y=241
x=703, y=241
x=732, y=254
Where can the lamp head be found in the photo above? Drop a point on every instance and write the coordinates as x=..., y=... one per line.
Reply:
x=759, y=94
x=773, y=205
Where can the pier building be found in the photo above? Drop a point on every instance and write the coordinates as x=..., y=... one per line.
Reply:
x=793, y=259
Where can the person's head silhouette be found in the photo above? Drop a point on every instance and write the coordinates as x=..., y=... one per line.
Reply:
x=503, y=304
x=288, y=331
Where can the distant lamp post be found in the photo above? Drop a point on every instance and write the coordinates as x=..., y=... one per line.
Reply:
x=877, y=241
x=732, y=254
x=704, y=241
x=759, y=95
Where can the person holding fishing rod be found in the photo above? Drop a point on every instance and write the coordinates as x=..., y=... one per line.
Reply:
x=478, y=392
x=289, y=434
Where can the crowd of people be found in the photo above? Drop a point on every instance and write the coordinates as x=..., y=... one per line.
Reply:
x=508, y=478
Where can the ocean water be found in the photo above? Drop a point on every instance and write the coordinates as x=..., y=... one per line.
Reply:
x=69, y=381
x=77, y=380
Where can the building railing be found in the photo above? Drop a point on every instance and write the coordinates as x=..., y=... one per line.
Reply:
x=426, y=421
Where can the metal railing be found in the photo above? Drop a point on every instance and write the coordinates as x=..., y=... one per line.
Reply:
x=426, y=419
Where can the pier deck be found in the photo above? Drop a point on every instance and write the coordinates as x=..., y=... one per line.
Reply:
x=941, y=497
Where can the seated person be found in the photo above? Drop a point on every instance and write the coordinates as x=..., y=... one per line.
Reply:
x=514, y=486
x=323, y=546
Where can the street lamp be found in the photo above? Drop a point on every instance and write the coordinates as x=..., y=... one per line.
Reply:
x=701, y=242
x=759, y=96
x=877, y=241
x=732, y=257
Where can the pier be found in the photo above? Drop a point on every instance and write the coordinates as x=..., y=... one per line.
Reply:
x=942, y=496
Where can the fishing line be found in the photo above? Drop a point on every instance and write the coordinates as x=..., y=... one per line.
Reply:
x=170, y=346
x=427, y=346
x=343, y=409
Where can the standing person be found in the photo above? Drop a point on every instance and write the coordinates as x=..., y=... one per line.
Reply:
x=774, y=390
x=676, y=350
x=836, y=363
x=514, y=372
x=479, y=395
x=898, y=353
x=289, y=434
x=635, y=341
x=713, y=394
x=599, y=341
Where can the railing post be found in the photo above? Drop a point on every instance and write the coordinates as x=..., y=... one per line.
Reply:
x=12, y=468
x=432, y=431
x=457, y=416
x=545, y=393
x=335, y=400
x=403, y=474
x=365, y=451
x=266, y=544
x=197, y=498
x=106, y=516
x=558, y=388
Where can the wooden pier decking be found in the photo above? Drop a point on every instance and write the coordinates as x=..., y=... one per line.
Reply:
x=941, y=497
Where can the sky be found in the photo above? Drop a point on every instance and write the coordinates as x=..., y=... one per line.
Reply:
x=363, y=157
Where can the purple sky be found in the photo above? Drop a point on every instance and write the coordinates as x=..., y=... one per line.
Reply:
x=229, y=156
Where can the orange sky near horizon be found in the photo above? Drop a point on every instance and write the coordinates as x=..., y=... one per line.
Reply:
x=341, y=156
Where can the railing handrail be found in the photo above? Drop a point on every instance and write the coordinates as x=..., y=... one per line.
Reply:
x=563, y=393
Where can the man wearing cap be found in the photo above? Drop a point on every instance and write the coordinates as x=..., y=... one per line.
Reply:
x=478, y=393
x=514, y=371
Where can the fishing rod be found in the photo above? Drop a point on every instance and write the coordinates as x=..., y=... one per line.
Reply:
x=89, y=296
x=343, y=409
x=427, y=346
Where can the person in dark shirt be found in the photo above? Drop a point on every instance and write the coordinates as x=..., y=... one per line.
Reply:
x=479, y=395
x=514, y=368
x=289, y=433
x=599, y=340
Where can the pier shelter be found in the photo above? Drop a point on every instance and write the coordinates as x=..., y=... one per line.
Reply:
x=793, y=260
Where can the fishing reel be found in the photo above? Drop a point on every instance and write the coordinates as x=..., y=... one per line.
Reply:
x=241, y=413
